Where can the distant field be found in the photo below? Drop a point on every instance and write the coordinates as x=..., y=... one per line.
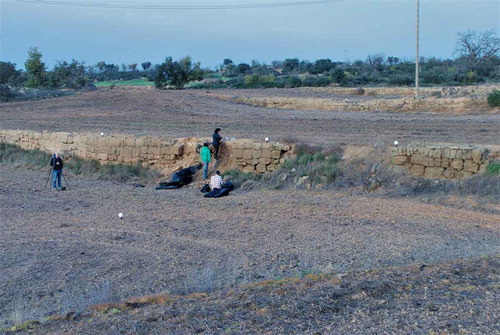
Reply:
x=135, y=82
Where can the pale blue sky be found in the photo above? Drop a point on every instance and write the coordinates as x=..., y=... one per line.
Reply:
x=351, y=29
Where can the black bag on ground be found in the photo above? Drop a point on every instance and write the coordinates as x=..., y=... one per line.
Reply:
x=219, y=193
x=205, y=188
x=180, y=178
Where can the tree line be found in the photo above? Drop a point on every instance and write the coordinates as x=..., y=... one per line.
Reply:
x=477, y=61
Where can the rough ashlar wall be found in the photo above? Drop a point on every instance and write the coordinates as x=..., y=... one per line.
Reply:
x=442, y=161
x=159, y=152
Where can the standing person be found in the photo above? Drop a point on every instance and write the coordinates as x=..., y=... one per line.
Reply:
x=205, y=159
x=57, y=165
x=216, y=181
x=216, y=142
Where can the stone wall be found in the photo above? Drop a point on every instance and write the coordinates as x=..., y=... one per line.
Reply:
x=162, y=153
x=443, y=161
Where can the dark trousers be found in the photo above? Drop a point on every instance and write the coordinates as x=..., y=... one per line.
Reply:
x=216, y=147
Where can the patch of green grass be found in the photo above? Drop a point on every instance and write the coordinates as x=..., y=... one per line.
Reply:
x=13, y=154
x=133, y=82
x=121, y=172
x=493, y=167
x=27, y=325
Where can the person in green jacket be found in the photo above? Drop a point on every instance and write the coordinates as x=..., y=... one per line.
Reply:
x=205, y=159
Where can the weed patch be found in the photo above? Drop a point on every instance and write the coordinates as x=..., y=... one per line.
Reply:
x=493, y=167
x=12, y=154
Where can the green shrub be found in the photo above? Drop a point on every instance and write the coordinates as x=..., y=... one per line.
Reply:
x=494, y=98
x=6, y=93
x=493, y=167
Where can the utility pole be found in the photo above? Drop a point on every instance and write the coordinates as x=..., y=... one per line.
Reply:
x=417, y=55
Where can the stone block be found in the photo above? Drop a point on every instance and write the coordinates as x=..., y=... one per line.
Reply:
x=241, y=162
x=178, y=150
x=449, y=173
x=237, y=153
x=37, y=136
x=102, y=149
x=154, y=150
x=102, y=157
x=437, y=153
x=254, y=161
x=476, y=156
x=265, y=160
x=470, y=166
x=67, y=147
x=417, y=170
x=457, y=164
x=420, y=159
x=248, y=168
x=247, y=154
x=261, y=168
x=446, y=153
x=437, y=161
x=156, y=142
x=102, y=142
x=256, y=154
x=272, y=167
x=445, y=162
x=276, y=154
x=267, y=145
x=126, y=152
x=483, y=168
x=466, y=154
x=129, y=141
x=115, y=142
x=433, y=172
x=399, y=160
x=266, y=153
x=139, y=142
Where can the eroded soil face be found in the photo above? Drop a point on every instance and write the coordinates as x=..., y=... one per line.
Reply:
x=196, y=113
x=64, y=250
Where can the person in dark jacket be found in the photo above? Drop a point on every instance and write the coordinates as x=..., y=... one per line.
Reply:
x=57, y=165
x=216, y=142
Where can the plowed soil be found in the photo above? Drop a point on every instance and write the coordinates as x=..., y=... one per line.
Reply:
x=196, y=113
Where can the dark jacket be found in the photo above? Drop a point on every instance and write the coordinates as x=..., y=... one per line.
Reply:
x=56, y=163
x=216, y=138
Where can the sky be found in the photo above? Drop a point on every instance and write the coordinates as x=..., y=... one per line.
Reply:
x=342, y=31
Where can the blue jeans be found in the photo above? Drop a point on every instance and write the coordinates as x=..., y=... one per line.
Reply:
x=56, y=177
x=205, y=170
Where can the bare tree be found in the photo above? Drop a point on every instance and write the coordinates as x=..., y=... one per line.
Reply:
x=476, y=47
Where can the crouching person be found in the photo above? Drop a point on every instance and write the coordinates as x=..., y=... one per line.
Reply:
x=57, y=165
x=216, y=181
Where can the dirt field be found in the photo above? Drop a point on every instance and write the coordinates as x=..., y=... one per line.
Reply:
x=63, y=251
x=196, y=113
